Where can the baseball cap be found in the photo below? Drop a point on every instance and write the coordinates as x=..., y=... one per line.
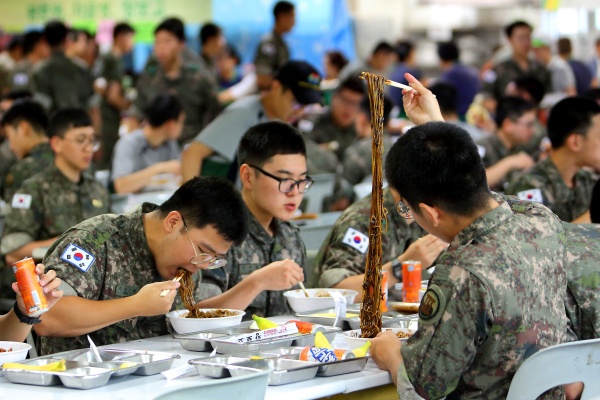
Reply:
x=302, y=79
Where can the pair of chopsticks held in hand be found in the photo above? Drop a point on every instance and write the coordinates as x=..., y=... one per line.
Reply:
x=400, y=85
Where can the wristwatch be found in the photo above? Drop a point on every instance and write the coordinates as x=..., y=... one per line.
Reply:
x=397, y=268
x=24, y=318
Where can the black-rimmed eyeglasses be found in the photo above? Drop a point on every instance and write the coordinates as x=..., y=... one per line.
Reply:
x=204, y=258
x=286, y=185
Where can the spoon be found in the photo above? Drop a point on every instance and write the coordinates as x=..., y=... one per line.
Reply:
x=303, y=288
x=94, y=349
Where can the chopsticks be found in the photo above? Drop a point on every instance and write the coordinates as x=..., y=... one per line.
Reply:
x=303, y=288
x=176, y=279
x=390, y=82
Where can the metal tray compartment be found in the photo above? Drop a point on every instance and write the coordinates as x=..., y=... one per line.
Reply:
x=152, y=363
x=224, y=347
x=283, y=371
x=198, y=341
x=332, y=368
x=85, y=377
x=88, y=356
x=118, y=368
x=39, y=378
x=215, y=366
x=326, y=317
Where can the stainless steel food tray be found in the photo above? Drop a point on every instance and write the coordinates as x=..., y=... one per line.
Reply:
x=283, y=371
x=202, y=341
x=217, y=366
x=83, y=372
x=326, y=316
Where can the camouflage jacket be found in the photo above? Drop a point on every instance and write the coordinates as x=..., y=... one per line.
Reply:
x=338, y=260
x=195, y=89
x=59, y=82
x=494, y=152
x=583, y=280
x=22, y=76
x=122, y=265
x=326, y=131
x=358, y=160
x=496, y=80
x=567, y=203
x=318, y=159
x=495, y=298
x=38, y=159
x=271, y=54
x=47, y=204
x=7, y=160
x=259, y=249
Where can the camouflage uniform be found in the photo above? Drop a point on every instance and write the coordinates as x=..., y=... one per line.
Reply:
x=194, y=88
x=495, y=298
x=494, y=152
x=123, y=265
x=56, y=205
x=22, y=76
x=39, y=158
x=113, y=70
x=326, y=131
x=337, y=261
x=358, y=160
x=59, y=82
x=496, y=80
x=319, y=160
x=271, y=54
x=259, y=249
x=567, y=203
x=583, y=280
x=7, y=160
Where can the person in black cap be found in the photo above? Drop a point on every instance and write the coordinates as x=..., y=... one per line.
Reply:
x=296, y=84
x=560, y=181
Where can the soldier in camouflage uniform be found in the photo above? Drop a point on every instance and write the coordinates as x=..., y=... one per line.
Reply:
x=502, y=155
x=274, y=177
x=25, y=126
x=496, y=296
x=35, y=49
x=272, y=51
x=195, y=89
x=7, y=159
x=50, y=202
x=560, y=181
x=519, y=65
x=341, y=261
x=59, y=82
x=114, y=101
x=114, y=267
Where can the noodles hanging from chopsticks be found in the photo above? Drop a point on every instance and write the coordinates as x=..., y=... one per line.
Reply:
x=186, y=292
x=370, y=311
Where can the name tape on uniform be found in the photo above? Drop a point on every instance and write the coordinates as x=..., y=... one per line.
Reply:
x=356, y=240
x=531, y=195
x=21, y=201
x=78, y=257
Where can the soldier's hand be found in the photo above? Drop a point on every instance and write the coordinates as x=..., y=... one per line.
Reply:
x=148, y=301
x=385, y=350
x=279, y=275
x=420, y=104
x=426, y=249
x=521, y=160
x=49, y=283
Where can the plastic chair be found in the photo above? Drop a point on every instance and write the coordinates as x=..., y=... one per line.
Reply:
x=559, y=365
x=247, y=387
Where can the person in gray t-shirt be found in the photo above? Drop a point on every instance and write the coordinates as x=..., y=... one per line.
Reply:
x=152, y=150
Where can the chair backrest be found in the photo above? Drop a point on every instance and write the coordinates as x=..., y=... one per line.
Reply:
x=559, y=365
x=321, y=188
x=247, y=387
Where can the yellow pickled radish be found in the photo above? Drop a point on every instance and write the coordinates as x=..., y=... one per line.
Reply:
x=264, y=323
x=321, y=341
x=362, y=350
x=56, y=366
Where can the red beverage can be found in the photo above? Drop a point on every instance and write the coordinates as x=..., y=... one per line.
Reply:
x=383, y=304
x=29, y=285
x=319, y=354
x=411, y=281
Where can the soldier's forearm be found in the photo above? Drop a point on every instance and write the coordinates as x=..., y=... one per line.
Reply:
x=27, y=250
x=74, y=316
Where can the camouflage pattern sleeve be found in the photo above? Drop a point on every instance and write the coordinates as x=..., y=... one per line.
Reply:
x=214, y=282
x=574, y=324
x=24, y=219
x=357, y=162
x=79, y=263
x=451, y=324
x=265, y=58
x=142, y=100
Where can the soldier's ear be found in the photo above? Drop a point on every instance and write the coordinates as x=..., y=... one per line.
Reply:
x=431, y=213
x=173, y=221
x=246, y=176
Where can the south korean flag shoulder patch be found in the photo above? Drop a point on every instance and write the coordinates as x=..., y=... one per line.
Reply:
x=531, y=195
x=78, y=257
x=356, y=240
x=21, y=200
